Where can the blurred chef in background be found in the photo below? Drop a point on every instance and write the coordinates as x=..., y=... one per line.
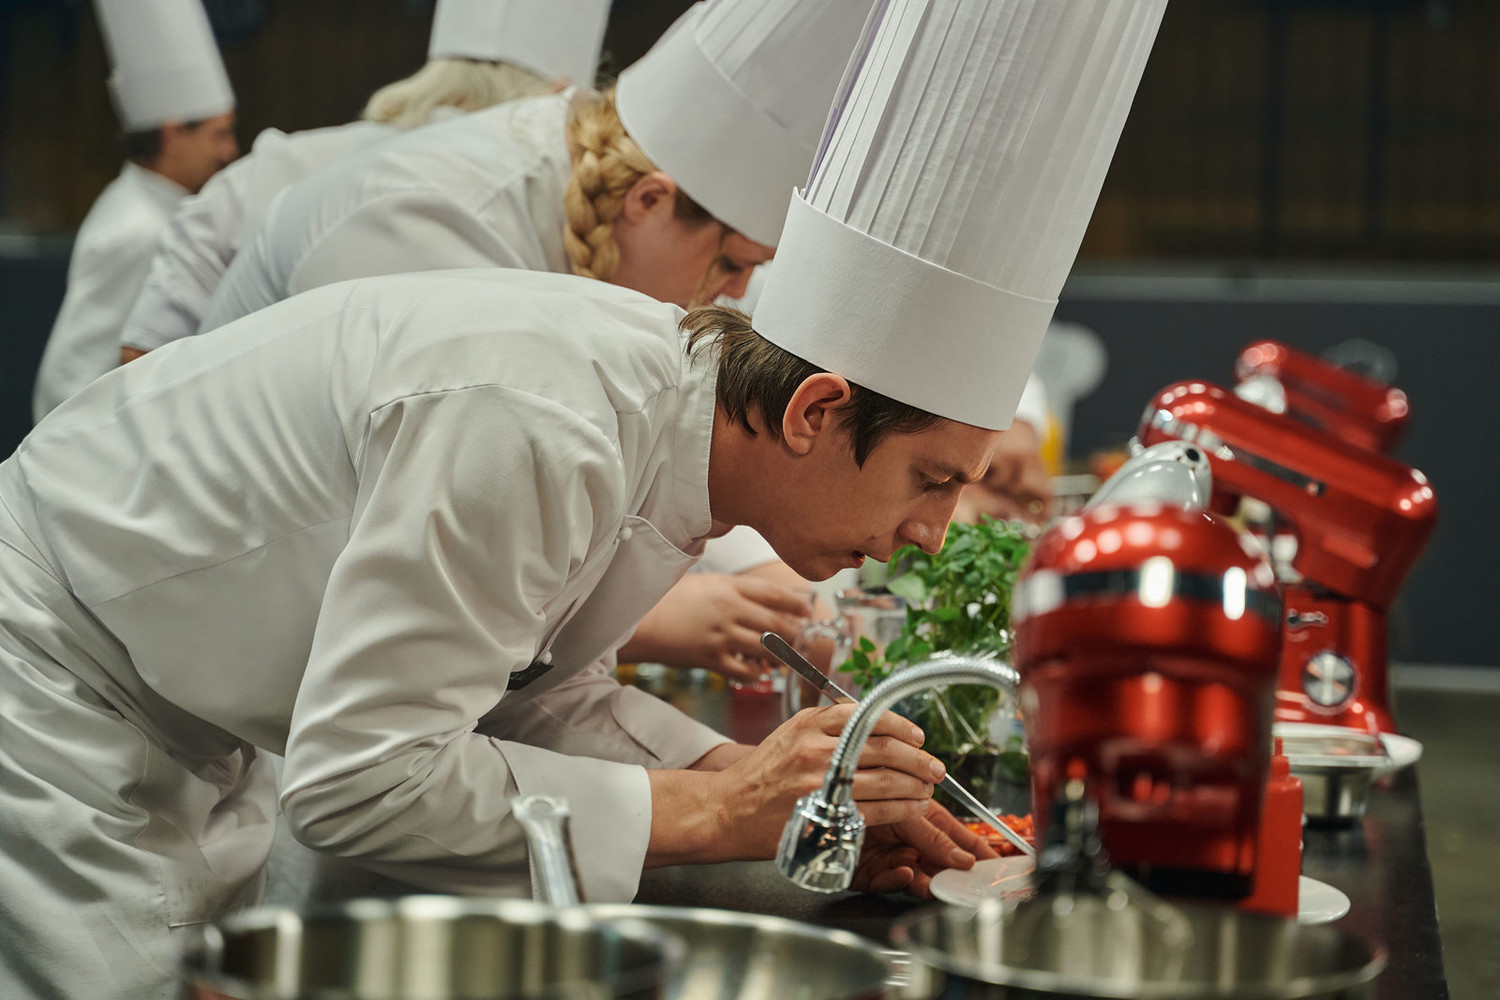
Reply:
x=1018, y=485
x=176, y=108
x=481, y=53
x=396, y=527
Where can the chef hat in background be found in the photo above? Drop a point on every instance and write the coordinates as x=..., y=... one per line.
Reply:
x=731, y=101
x=553, y=38
x=165, y=65
x=959, y=169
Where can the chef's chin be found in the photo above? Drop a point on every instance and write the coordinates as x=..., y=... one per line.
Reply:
x=828, y=565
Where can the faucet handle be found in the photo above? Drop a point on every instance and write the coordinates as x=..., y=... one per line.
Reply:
x=821, y=843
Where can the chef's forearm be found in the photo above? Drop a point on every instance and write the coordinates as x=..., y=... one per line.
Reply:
x=720, y=757
x=687, y=821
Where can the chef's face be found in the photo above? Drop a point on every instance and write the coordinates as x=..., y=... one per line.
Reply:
x=838, y=512
x=679, y=258
x=191, y=154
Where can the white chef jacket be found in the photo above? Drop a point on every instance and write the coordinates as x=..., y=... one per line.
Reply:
x=207, y=229
x=353, y=527
x=109, y=263
x=482, y=190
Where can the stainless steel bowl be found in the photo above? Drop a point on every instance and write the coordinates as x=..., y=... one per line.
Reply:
x=431, y=948
x=1337, y=767
x=1093, y=950
x=743, y=956
x=1334, y=794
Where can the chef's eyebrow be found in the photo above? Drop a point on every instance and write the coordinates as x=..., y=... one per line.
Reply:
x=945, y=471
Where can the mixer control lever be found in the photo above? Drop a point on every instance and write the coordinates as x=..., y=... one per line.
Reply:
x=1296, y=620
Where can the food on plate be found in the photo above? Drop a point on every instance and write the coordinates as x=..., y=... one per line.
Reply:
x=1021, y=824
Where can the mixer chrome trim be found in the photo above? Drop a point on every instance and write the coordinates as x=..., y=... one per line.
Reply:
x=1185, y=430
x=1044, y=592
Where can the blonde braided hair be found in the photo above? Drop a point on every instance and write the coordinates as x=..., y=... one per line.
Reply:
x=465, y=84
x=606, y=165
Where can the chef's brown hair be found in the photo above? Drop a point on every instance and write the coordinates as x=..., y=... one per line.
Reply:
x=757, y=377
x=465, y=84
x=606, y=165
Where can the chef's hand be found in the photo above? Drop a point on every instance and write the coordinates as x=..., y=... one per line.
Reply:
x=755, y=794
x=1016, y=487
x=713, y=620
x=905, y=856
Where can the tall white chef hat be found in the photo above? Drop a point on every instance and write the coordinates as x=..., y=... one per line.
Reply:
x=731, y=101
x=165, y=63
x=956, y=177
x=555, y=38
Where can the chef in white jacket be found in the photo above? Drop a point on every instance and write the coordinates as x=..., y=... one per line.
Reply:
x=394, y=527
x=674, y=183
x=392, y=531
x=176, y=108
x=480, y=53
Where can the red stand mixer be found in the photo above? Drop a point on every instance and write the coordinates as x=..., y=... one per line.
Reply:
x=1147, y=638
x=1345, y=404
x=1361, y=521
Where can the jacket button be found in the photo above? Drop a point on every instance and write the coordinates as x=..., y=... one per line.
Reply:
x=546, y=657
x=625, y=534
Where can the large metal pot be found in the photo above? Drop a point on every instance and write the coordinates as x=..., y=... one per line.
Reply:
x=431, y=948
x=730, y=956
x=1085, y=947
x=743, y=956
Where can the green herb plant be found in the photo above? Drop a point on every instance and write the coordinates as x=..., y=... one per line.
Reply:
x=958, y=600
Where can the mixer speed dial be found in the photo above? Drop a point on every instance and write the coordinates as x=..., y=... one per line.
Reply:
x=1328, y=679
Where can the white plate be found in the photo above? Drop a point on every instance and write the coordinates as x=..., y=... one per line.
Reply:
x=993, y=878
x=1010, y=878
x=1319, y=902
x=1402, y=750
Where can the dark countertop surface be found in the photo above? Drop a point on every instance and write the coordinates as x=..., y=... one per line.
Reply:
x=1380, y=863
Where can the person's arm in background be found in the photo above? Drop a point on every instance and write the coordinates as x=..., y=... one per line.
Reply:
x=714, y=618
x=196, y=249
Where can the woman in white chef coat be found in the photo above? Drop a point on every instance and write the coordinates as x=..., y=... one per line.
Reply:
x=481, y=53
x=675, y=183
x=393, y=530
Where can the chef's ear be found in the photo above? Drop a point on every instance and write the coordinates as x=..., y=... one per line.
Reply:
x=813, y=410
x=653, y=192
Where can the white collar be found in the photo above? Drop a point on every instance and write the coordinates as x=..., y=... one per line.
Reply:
x=159, y=186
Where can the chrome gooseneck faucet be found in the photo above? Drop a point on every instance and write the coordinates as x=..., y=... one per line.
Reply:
x=821, y=843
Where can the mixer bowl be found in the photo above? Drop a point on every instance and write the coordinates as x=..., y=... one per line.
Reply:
x=1086, y=948
x=430, y=948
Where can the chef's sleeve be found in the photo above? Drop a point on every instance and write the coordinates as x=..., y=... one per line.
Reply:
x=196, y=249
x=592, y=714
x=474, y=509
x=404, y=231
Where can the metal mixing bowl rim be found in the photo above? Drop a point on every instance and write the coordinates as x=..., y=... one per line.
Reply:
x=1064, y=984
x=884, y=957
x=632, y=928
